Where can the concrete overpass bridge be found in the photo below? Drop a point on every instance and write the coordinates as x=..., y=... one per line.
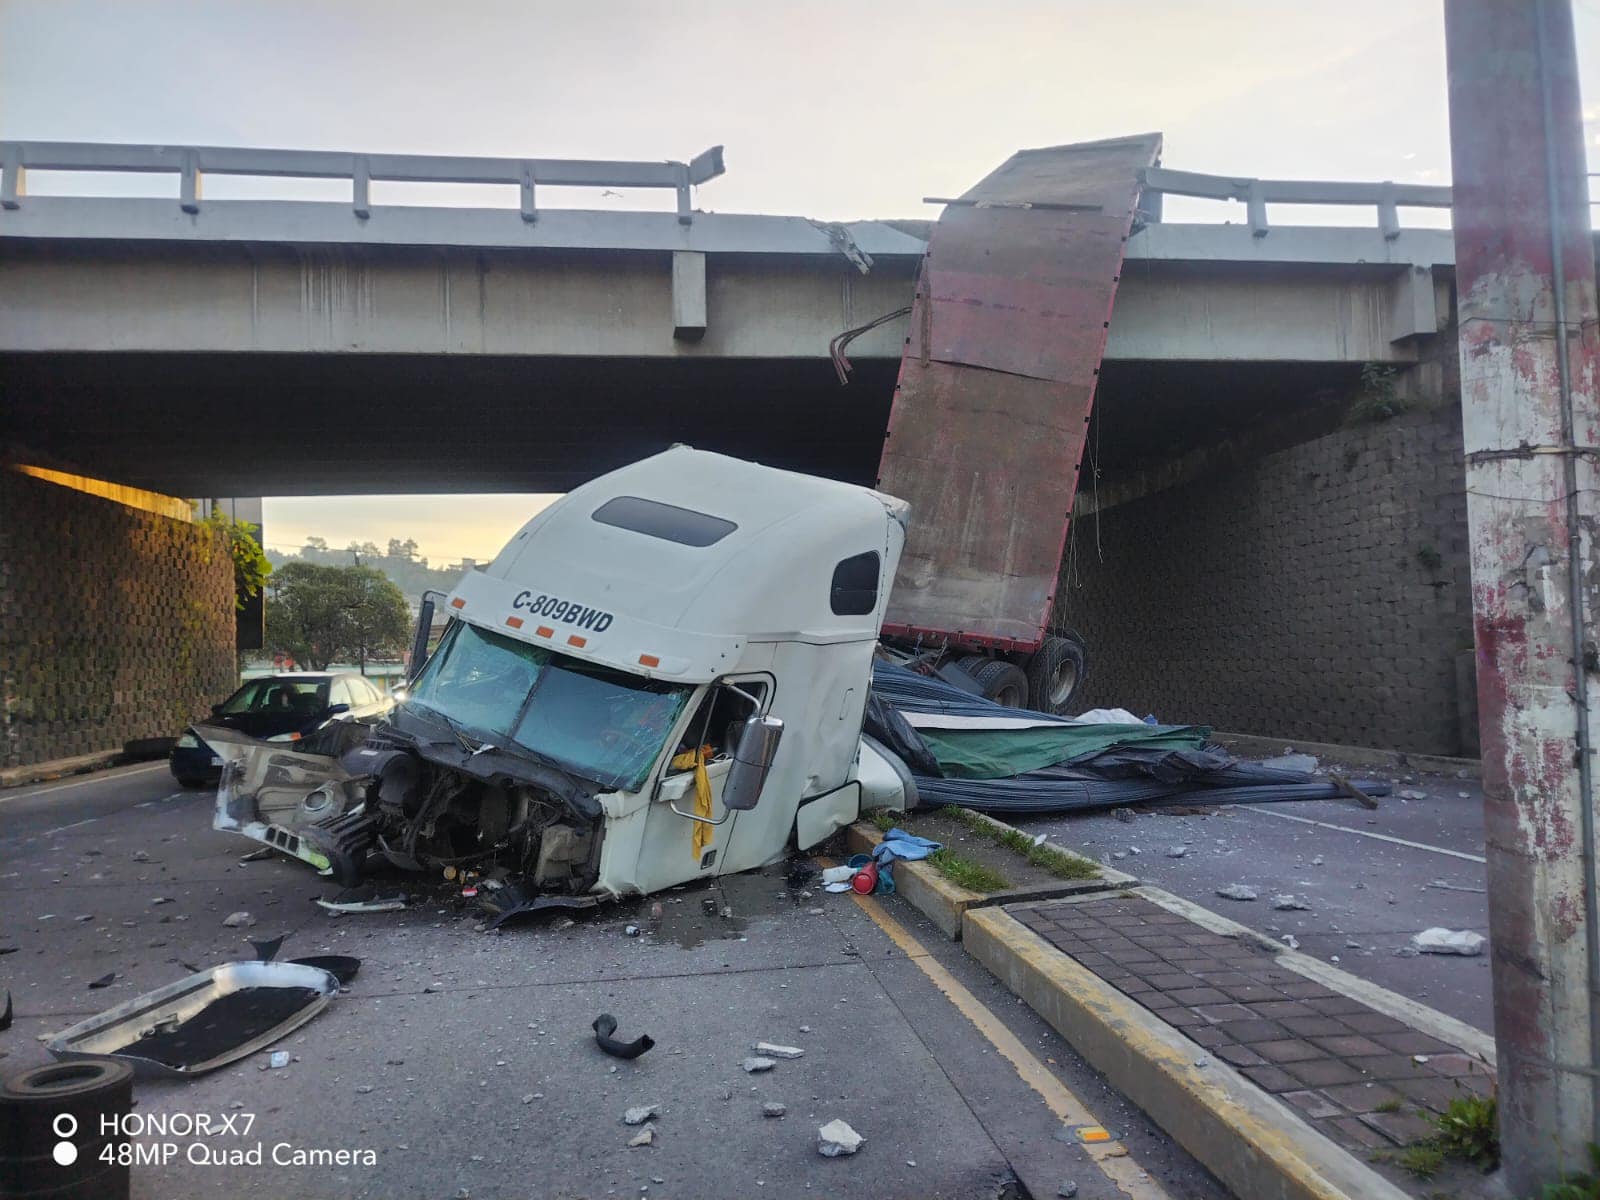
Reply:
x=204, y=347
x=1255, y=549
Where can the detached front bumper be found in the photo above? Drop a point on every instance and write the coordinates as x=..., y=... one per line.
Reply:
x=304, y=805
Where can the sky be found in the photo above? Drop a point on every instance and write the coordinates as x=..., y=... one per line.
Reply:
x=828, y=109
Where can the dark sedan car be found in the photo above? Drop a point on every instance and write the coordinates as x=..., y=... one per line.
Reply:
x=279, y=708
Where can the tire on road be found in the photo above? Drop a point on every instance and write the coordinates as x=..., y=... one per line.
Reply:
x=145, y=749
x=1003, y=682
x=45, y=1107
x=1055, y=673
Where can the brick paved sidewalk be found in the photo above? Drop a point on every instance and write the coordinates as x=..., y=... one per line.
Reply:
x=1367, y=1081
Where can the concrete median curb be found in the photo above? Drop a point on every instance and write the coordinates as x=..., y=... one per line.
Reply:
x=943, y=902
x=59, y=768
x=1252, y=1142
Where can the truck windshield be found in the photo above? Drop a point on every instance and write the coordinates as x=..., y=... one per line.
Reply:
x=599, y=723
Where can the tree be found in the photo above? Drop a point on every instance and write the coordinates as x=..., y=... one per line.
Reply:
x=316, y=543
x=320, y=614
x=250, y=564
x=403, y=549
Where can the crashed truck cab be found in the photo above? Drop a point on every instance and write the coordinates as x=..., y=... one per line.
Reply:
x=662, y=676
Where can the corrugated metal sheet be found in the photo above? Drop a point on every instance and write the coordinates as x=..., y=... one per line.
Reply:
x=987, y=428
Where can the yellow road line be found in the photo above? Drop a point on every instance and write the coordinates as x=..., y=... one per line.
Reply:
x=1111, y=1157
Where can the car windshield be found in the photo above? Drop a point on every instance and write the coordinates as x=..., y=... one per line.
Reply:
x=302, y=697
x=599, y=723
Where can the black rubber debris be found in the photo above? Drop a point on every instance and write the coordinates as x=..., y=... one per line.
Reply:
x=104, y=981
x=267, y=949
x=605, y=1025
x=504, y=913
x=5, y=1017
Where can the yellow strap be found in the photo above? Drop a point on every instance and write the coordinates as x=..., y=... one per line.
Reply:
x=700, y=842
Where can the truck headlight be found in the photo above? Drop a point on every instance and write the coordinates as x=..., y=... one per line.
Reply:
x=188, y=741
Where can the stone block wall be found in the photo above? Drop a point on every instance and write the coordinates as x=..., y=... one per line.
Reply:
x=1319, y=592
x=115, y=623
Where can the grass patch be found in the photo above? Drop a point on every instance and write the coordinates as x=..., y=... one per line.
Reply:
x=882, y=818
x=1469, y=1131
x=963, y=872
x=1582, y=1186
x=1423, y=1160
x=1391, y=1105
x=1046, y=858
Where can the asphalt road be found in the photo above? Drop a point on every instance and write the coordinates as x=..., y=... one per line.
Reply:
x=464, y=1061
x=1371, y=879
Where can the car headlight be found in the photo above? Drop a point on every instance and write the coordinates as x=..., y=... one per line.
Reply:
x=188, y=741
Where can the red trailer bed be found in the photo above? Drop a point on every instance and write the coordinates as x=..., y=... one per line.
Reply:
x=987, y=428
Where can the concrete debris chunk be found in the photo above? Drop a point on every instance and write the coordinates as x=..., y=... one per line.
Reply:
x=773, y=1109
x=238, y=920
x=1439, y=940
x=1412, y=794
x=1123, y=814
x=1290, y=941
x=1237, y=891
x=1068, y=1189
x=280, y=1058
x=756, y=1063
x=1317, y=861
x=836, y=1138
x=640, y=1114
x=770, y=1050
x=644, y=1137
x=1288, y=903
x=1177, y=851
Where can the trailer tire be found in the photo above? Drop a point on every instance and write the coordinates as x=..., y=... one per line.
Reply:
x=1003, y=682
x=1056, y=671
x=46, y=1106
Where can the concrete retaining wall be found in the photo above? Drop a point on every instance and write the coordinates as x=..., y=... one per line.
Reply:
x=1318, y=592
x=115, y=623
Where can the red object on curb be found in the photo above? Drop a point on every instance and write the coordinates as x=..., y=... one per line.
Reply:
x=865, y=881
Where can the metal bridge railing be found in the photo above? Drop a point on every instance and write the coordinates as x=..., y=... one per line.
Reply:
x=192, y=163
x=1256, y=194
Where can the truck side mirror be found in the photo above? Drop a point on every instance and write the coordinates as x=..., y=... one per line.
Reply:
x=419, y=640
x=752, y=762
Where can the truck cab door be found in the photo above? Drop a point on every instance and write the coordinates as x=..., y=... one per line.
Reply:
x=713, y=732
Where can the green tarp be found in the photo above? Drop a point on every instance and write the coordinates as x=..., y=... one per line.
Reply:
x=1002, y=753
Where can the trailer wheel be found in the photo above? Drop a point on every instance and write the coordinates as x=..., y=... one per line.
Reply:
x=1055, y=672
x=51, y=1142
x=1003, y=682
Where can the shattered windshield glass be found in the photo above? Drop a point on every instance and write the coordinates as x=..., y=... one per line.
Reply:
x=599, y=723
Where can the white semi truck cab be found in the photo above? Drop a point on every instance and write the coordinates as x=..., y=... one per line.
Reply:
x=662, y=676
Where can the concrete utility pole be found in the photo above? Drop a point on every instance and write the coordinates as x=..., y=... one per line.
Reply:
x=1530, y=365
